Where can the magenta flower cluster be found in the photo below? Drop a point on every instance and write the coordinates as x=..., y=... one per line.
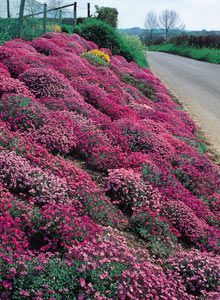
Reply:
x=105, y=189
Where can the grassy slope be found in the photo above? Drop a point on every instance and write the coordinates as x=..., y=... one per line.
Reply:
x=204, y=54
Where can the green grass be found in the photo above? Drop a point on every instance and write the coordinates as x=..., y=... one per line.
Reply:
x=211, y=55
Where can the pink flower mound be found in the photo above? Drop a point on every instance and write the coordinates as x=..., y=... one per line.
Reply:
x=185, y=221
x=18, y=59
x=46, y=47
x=20, y=44
x=63, y=225
x=10, y=85
x=85, y=150
x=127, y=189
x=58, y=134
x=21, y=178
x=44, y=82
x=4, y=70
x=21, y=112
x=137, y=279
x=200, y=273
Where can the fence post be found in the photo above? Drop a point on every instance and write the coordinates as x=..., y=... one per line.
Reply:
x=75, y=14
x=21, y=17
x=8, y=9
x=45, y=18
x=60, y=17
x=88, y=8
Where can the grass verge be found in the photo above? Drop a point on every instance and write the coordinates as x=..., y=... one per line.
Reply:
x=211, y=55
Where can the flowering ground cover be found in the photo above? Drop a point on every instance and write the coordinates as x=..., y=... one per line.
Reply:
x=90, y=151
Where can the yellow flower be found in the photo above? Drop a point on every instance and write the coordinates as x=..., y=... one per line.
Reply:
x=101, y=54
x=56, y=28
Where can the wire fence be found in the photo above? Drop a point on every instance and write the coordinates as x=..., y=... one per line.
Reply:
x=31, y=18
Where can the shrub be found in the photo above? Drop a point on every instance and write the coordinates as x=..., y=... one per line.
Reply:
x=4, y=70
x=136, y=48
x=67, y=28
x=10, y=57
x=58, y=133
x=133, y=136
x=210, y=41
x=104, y=36
x=59, y=226
x=108, y=15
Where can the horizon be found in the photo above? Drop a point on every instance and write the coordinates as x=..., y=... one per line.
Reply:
x=160, y=28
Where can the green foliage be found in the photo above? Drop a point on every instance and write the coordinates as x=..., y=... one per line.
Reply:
x=55, y=279
x=8, y=29
x=149, y=175
x=108, y=15
x=185, y=179
x=55, y=276
x=111, y=281
x=67, y=28
x=95, y=60
x=156, y=232
x=136, y=47
x=32, y=28
x=144, y=87
x=211, y=55
x=102, y=212
x=159, y=249
x=106, y=36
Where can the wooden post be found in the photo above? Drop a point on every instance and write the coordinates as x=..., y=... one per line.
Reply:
x=8, y=9
x=21, y=17
x=88, y=8
x=75, y=14
x=45, y=18
x=60, y=17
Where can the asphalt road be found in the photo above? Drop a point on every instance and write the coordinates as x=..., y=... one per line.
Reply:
x=197, y=85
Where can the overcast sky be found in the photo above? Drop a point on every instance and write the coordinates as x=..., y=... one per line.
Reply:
x=196, y=14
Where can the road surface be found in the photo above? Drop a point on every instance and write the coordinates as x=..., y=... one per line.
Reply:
x=197, y=85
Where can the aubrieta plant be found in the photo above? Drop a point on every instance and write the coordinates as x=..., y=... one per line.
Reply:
x=104, y=190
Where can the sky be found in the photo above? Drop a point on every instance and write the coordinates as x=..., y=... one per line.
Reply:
x=195, y=14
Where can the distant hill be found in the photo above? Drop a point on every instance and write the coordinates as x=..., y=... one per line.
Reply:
x=145, y=34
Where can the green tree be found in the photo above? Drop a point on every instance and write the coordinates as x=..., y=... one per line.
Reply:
x=108, y=15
